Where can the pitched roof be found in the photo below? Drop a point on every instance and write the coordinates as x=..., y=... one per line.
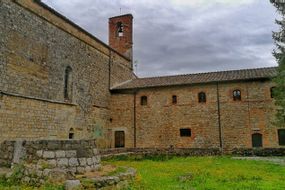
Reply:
x=199, y=78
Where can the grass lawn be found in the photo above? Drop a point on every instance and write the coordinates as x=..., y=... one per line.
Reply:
x=209, y=173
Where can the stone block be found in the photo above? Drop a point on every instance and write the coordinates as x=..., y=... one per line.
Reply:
x=72, y=185
x=60, y=154
x=39, y=173
x=73, y=162
x=82, y=161
x=48, y=154
x=80, y=170
x=57, y=175
x=39, y=153
x=90, y=161
x=70, y=153
x=62, y=162
x=46, y=172
x=95, y=151
x=96, y=159
x=88, y=169
x=51, y=163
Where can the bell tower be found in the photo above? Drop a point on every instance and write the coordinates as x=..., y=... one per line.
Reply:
x=121, y=34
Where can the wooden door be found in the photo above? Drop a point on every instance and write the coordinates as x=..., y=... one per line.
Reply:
x=257, y=140
x=119, y=139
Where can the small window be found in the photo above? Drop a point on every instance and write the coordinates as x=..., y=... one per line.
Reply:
x=71, y=134
x=281, y=137
x=256, y=140
x=185, y=132
x=272, y=90
x=67, y=83
x=174, y=99
x=202, y=97
x=143, y=100
x=236, y=95
x=120, y=29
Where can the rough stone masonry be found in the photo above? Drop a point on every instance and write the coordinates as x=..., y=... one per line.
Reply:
x=59, y=82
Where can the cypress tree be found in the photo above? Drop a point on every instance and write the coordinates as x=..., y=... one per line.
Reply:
x=279, y=54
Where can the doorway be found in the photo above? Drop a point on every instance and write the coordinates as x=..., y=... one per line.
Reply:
x=119, y=139
x=256, y=140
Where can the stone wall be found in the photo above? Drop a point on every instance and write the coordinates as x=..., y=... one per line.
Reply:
x=76, y=156
x=158, y=123
x=7, y=153
x=145, y=152
x=30, y=119
x=36, y=46
x=259, y=152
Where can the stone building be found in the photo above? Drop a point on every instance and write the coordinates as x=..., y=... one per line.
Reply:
x=57, y=81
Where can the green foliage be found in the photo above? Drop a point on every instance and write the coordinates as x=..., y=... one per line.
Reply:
x=279, y=53
x=208, y=173
x=279, y=93
x=17, y=175
x=14, y=182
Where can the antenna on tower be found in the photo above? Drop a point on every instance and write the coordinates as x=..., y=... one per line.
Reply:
x=120, y=10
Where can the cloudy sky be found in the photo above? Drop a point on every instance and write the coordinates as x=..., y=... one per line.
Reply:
x=185, y=36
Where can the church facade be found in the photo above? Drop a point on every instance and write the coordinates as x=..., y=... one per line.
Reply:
x=57, y=81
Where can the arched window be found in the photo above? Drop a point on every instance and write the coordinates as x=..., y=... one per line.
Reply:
x=120, y=29
x=256, y=140
x=272, y=89
x=143, y=100
x=71, y=133
x=67, y=83
x=202, y=97
x=236, y=95
x=174, y=99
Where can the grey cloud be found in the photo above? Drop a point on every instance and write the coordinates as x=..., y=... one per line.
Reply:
x=168, y=40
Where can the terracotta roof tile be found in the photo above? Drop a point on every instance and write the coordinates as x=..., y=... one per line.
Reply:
x=199, y=78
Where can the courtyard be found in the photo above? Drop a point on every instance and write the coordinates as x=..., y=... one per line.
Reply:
x=207, y=173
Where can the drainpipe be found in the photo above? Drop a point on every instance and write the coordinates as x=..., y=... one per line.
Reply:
x=219, y=118
x=110, y=61
x=135, y=119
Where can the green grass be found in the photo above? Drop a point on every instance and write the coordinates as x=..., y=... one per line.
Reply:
x=209, y=173
x=117, y=171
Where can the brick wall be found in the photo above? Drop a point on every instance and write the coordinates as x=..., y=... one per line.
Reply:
x=158, y=123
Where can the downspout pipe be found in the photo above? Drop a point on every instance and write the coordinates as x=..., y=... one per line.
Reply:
x=135, y=119
x=219, y=118
x=110, y=62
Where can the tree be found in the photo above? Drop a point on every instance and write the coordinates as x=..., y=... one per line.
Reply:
x=279, y=54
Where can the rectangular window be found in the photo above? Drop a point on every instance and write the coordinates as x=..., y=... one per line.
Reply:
x=281, y=137
x=143, y=100
x=174, y=99
x=185, y=132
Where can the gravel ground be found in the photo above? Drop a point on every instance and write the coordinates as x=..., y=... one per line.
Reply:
x=276, y=160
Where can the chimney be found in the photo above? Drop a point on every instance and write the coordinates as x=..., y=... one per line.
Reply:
x=121, y=34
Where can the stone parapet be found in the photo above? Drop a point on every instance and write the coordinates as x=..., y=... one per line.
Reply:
x=106, y=153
